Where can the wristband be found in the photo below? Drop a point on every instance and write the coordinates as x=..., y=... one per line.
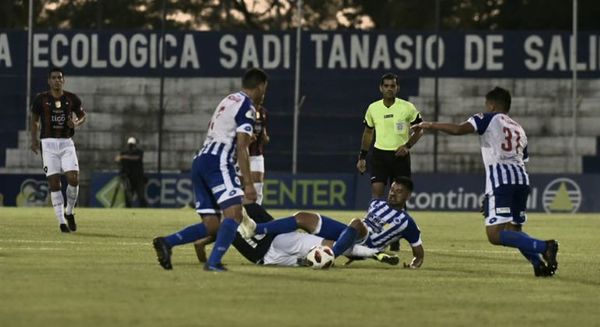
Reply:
x=363, y=154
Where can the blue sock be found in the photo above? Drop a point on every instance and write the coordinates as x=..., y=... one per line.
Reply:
x=277, y=226
x=331, y=229
x=225, y=237
x=345, y=241
x=522, y=241
x=187, y=235
x=532, y=257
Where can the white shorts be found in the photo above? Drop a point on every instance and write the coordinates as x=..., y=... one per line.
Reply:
x=287, y=248
x=58, y=156
x=257, y=163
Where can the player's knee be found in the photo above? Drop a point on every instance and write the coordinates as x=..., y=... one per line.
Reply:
x=494, y=238
x=359, y=226
x=72, y=178
x=212, y=225
x=54, y=183
x=307, y=221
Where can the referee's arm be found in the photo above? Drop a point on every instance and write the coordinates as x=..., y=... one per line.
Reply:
x=365, y=144
x=416, y=132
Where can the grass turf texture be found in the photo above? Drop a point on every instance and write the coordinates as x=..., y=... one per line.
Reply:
x=106, y=274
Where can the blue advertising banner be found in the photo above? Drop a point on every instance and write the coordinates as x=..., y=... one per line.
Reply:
x=309, y=191
x=175, y=191
x=24, y=190
x=550, y=193
x=281, y=190
x=209, y=54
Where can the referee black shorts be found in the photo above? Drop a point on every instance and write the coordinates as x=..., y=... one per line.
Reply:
x=385, y=166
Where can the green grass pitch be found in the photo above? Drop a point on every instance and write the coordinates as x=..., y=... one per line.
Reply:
x=106, y=274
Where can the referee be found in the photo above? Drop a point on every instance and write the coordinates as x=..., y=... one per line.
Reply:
x=391, y=119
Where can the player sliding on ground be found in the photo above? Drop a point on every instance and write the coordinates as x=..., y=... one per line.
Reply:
x=386, y=222
x=504, y=151
x=289, y=249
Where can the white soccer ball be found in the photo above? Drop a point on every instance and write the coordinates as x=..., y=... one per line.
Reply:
x=320, y=257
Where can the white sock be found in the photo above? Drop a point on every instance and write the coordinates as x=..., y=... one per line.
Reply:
x=72, y=192
x=259, y=192
x=360, y=251
x=58, y=204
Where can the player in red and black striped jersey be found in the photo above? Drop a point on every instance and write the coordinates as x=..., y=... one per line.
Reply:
x=55, y=114
x=256, y=150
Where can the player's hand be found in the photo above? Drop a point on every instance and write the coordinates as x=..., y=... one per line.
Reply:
x=414, y=264
x=250, y=192
x=35, y=146
x=401, y=151
x=253, y=138
x=422, y=125
x=361, y=165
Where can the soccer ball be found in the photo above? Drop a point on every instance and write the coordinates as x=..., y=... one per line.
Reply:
x=320, y=257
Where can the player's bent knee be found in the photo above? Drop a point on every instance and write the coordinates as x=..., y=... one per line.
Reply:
x=212, y=224
x=307, y=221
x=359, y=226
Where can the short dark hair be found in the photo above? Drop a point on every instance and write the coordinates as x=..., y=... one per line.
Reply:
x=499, y=96
x=405, y=181
x=55, y=69
x=253, y=77
x=389, y=76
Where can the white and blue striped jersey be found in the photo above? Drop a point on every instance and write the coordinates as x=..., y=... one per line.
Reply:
x=386, y=225
x=503, y=148
x=235, y=113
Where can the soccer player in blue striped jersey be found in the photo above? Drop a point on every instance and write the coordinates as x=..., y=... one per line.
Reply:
x=217, y=187
x=504, y=151
x=385, y=222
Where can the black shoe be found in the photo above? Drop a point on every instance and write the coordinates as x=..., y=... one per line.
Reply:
x=387, y=258
x=64, y=228
x=542, y=271
x=395, y=246
x=163, y=252
x=71, y=221
x=550, y=255
x=216, y=268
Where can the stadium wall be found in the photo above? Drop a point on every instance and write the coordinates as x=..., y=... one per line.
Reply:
x=116, y=73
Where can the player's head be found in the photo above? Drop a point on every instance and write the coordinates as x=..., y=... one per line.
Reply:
x=498, y=100
x=255, y=80
x=389, y=85
x=400, y=191
x=56, y=78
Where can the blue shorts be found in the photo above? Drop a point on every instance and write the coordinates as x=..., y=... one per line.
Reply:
x=507, y=203
x=216, y=185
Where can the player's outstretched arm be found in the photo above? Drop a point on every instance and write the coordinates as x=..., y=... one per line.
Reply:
x=448, y=128
x=418, y=256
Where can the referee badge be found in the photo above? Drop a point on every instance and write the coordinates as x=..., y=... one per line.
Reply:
x=57, y=104
x=400, y=127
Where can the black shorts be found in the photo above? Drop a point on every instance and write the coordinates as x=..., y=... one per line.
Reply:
x=385, y=166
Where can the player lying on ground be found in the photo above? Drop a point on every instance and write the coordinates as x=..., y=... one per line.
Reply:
x=504, y=152
x=386, y=222
x=289, y=249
